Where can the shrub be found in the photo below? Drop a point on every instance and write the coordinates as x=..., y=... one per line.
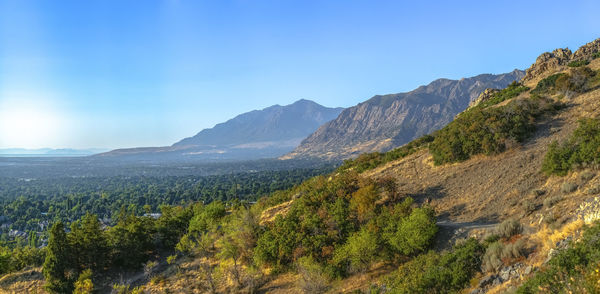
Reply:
x=568, y=187
x=513, y=90
x=538, y=192
x=578, y=63
x=550, y=201
x=514, y=250
x=415, y=234
x=596, y=55
x=438, y=273
x=492, y=258
x=312, y=276
x=547, y=85
x=586, y=176
x=581, y=148
x=358, y=253
x=485, y=131
x=509, y=228
x=593, y=190
x=528, y=206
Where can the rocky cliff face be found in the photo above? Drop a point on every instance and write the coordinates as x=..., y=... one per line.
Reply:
x=387, y=121
x=550, y=62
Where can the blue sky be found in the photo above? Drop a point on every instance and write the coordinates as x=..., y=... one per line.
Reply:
x=148, y=73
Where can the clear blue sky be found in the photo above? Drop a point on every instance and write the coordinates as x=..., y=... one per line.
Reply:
x=146, y=73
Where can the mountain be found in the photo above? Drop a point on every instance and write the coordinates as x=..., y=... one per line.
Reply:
x=270, y=132
x=48, y=152
x=387, y=121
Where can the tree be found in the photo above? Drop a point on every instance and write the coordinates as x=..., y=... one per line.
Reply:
x=89, y=243
x=57, y=264
x=415, y=233
x=359, y=251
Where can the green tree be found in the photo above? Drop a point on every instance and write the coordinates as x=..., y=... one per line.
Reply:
x=57, y=265
x=415, y=233
x=358, y=253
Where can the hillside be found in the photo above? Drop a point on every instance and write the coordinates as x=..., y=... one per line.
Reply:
x=505, y=198
x=265, y=133
x=387, y=121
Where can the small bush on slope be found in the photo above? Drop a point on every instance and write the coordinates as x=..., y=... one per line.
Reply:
x=513, y=90
x=438, y=273
x=581, y=148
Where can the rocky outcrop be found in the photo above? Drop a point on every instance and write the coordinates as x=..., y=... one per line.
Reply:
x=486, y=95
x=548, y=61
x=387, y=121
x=587, y=51
x=555, y=60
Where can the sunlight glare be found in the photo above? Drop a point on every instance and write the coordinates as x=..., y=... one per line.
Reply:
x=29, y=125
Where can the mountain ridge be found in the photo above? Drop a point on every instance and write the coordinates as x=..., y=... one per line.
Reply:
x=387, y=121
x=268, y=132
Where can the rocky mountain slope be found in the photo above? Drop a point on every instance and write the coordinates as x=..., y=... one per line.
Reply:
x=269, y=132
x=387, y=121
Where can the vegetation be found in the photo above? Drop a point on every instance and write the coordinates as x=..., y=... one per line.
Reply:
x=580, y=80
x=438, y=273
x=29, y=207
x=578, y=63
x=368, y=161
x=579, y=150
x=487, y=130
x=571, y=270
x=511, y=91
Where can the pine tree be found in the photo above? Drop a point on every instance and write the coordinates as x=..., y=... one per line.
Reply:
x=56, y=265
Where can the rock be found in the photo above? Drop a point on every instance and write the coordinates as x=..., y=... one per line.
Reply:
x=486, y=95
x=586, y=51
x=527, y=270
x=476, y=291
x=548, y=61
x=486, y=281
x=497, y=281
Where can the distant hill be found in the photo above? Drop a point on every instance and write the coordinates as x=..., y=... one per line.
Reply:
x=270, y=132
x=48, y=152
x=387, y=121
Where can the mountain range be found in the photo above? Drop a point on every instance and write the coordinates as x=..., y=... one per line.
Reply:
x=387, y=121
x=266, y=133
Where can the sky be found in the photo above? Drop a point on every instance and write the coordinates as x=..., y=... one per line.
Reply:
x=114, y=74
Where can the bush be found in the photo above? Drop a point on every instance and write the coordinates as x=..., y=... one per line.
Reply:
x=596, y=55
x=586, y=176
x=538, y=192
x=415, y=234
x=498, y=254
x=514, y=250
x=550, y=201
x=567, y=187
x=547, y=85
x=528, y=206
x=438, y=273
x=581, y=148
x=485, y=131
x=513, y=90
x=578, y=63
x=312, y=276
x=509, y=228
